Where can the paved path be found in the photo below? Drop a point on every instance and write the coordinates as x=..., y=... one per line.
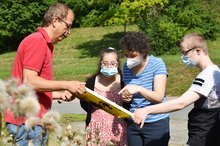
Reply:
x=178, y=120
x=178, y=126
x=68, y=107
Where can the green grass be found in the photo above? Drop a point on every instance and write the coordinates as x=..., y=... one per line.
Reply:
x=77, y=56
x=6, y=61
x=68, y=118
x=181, y=76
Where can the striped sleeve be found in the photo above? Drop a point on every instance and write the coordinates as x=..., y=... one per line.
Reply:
x=202, y=84
x=160, y=67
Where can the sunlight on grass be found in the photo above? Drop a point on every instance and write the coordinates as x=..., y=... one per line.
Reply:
x=6, y=62
x=76, y=57
x=180, y=76
x=68, y=118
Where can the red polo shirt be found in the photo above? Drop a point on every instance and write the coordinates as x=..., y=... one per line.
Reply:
x=35, y=52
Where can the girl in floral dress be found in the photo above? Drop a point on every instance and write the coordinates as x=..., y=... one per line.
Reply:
x=103, y=128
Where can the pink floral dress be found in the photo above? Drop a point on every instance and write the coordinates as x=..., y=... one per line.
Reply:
x=104, y=128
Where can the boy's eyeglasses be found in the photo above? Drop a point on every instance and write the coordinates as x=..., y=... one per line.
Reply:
x=186, y=52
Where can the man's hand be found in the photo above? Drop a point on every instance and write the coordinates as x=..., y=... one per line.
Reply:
x=67, y=96
x=76, y=87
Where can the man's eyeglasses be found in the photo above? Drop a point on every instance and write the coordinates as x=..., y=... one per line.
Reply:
x=106, y=64
x=68, y=26
x=186, y=52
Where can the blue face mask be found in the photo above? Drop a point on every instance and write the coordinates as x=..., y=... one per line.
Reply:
x=188, y=61
x=109, y=71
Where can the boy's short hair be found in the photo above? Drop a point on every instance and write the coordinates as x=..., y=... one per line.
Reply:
x=194, y=40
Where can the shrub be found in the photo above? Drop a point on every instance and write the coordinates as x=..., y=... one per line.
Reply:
x=93, y=12
x=175, y=20
x=17, y=19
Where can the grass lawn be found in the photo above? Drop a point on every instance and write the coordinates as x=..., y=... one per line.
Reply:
x=67, y=118
x=76, y=57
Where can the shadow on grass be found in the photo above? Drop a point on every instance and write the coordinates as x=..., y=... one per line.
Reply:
x=94, y=47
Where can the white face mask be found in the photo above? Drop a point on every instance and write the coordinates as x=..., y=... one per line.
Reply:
x=132, y=62
x=188, y=61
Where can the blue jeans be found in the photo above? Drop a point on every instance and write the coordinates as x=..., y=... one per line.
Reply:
x=151, y=134
x=38, y=135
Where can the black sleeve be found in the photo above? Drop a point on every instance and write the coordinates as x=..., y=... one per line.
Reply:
x=89, y=84
x=125, y=104
x=84, y=105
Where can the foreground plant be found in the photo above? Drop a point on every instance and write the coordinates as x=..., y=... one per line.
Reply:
x=71, y=137
x=96, y=139
x=23, y=102
x=19, y=99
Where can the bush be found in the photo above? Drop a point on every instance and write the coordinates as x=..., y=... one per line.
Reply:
x=178, y=18
x=92, y=13
x=17, y=19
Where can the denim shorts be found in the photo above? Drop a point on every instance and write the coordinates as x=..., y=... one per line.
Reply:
x=37, y=135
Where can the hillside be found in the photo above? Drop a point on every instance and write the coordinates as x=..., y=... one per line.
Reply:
x=76, y=57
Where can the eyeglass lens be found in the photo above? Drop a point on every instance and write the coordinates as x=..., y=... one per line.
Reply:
x=112, y=64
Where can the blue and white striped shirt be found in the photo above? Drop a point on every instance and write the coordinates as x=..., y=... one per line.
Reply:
x=145, y=79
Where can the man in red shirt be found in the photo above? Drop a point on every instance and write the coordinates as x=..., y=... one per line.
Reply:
x=33, y=66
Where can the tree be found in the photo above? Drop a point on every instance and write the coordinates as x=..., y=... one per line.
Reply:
x=93, y=12
x=178, y=18
x=17, y=19
x=131, y=11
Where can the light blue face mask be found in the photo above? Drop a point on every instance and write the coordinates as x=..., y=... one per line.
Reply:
x=188, y=61
x=109, y=71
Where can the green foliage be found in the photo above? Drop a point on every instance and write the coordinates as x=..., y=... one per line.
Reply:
x=92, y=12
x=165, y=23
x=112, y=12
x=131, y=11
x=19, y=18
x=80, y=10
x=178, y=18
